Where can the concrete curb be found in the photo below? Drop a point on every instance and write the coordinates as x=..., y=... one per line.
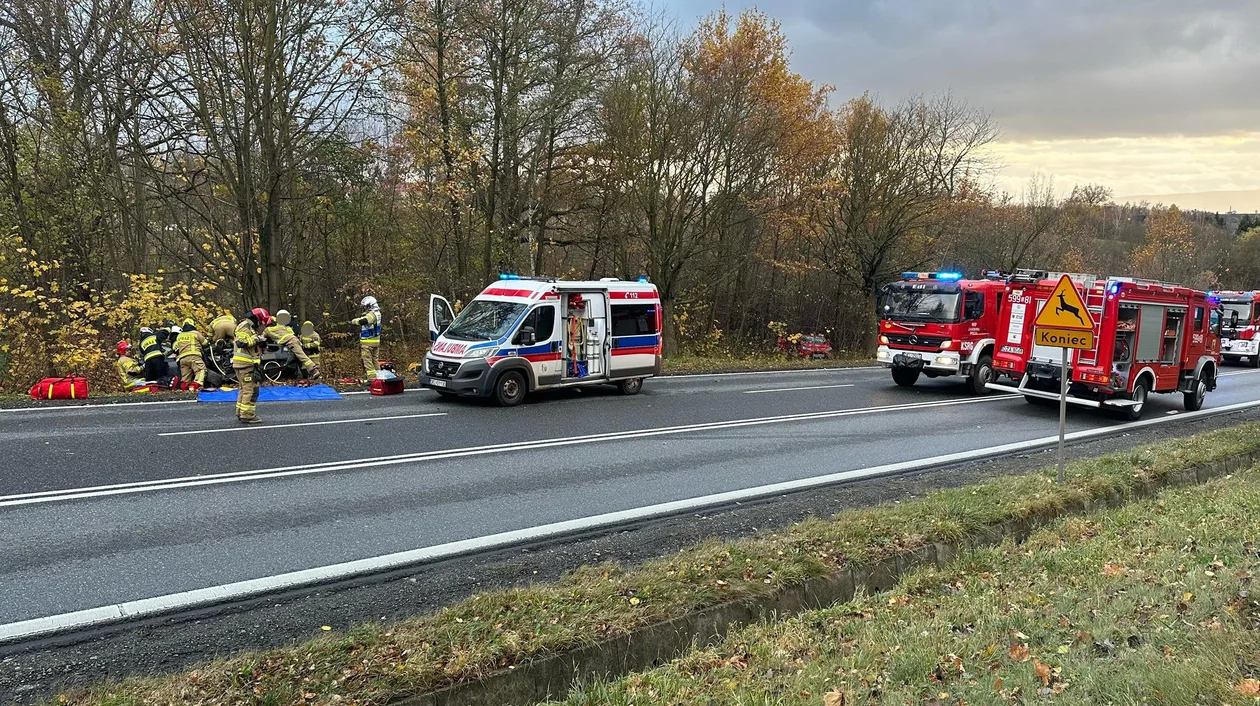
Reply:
x=552, y=677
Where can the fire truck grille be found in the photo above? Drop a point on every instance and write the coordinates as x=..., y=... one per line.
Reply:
x=443, y=368
x=915, y=341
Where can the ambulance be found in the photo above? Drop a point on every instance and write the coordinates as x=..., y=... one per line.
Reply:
x=524, y=334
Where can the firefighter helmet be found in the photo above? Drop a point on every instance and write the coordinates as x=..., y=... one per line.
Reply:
x=368, y=302
x=261, y=316
x=122, y=347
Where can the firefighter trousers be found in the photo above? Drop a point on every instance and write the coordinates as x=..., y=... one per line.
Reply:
x=246, y=391
x=192, y=369
x=370, y=353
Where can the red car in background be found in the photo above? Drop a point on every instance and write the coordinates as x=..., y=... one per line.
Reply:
x=805, y=346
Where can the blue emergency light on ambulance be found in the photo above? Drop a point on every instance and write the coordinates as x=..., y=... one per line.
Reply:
x=525, y=333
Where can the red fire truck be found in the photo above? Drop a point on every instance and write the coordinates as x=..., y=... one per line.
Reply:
x=1240, y=327
x=939, y=324
x=1150, y=337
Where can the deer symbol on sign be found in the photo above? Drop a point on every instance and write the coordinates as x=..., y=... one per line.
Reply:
x=1065, y=307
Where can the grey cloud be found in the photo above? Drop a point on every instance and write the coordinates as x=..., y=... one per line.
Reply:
x=1068, y=68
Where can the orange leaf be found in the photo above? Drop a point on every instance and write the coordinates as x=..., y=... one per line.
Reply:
x=1019, y=653
x=1249, y=688
x=1113, y=570
x=1042, y=670
x=834, y=698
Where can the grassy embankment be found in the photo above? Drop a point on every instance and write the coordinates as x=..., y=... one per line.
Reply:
x=1151, y=603
x=492, y=631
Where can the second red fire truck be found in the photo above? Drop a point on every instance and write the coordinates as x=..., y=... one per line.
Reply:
x=938, y=324
x=1149, y=337
x=1240, y=327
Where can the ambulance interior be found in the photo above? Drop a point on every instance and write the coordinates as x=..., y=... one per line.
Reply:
x=585, y=319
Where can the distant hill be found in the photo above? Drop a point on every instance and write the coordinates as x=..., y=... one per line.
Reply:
x=1246, y=201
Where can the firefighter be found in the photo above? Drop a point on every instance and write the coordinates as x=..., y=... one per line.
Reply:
x=155, y=368
x=247, y=348
x=223, y=328
x=369, y=335
x=310, y=342
x=188, y=344
x=131, y=371
x=280, y=334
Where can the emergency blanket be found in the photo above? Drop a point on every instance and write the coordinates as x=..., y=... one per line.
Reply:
x=275, y=394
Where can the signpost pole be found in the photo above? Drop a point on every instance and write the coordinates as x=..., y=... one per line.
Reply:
x=1063, y=389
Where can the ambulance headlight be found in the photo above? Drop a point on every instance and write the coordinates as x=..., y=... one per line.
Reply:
x=478, y=353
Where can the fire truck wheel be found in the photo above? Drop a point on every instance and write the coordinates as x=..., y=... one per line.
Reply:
x=1134, y=412
x=905, y=377
x=981, y=375
x=1194, y=398
x=509, y=389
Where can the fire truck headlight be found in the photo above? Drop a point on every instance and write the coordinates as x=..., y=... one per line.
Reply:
x=946, y=360
x=883, y=339
x=947, y=344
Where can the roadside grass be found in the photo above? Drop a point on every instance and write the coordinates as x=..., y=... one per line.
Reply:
x=496, y=630
x=1154, y=602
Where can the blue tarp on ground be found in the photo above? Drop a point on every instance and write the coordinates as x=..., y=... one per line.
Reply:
x=275, y=394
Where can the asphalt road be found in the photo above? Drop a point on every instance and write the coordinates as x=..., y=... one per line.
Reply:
x=100, y=505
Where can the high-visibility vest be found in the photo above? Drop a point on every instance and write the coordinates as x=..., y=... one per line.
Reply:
x=370, y=328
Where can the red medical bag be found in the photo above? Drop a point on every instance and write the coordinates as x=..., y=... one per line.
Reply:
x=392, y=386
x=67, y=388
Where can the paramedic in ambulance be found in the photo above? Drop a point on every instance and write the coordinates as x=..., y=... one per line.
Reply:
x=281, y=334
x=192, y=368
x=369, y=335
x=131, y=371
x=246, y=355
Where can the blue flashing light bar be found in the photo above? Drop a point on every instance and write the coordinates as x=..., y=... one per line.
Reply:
x=1113, y=287
x=643, y=278
x=508, y=275
x=945, y=276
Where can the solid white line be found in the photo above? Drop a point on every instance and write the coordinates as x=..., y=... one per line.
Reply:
x=793, y=389
x=47, y=496
x=838, y=369
x=1238, y=372
x=258, y=427
x=77, y=620
x=102, y=405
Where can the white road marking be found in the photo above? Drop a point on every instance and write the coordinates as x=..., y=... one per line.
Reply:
x=837, y=369
x=257, y=427
x=130, y=610
x=48, y=496
x=101, y=405
x=1237, y=372
x=793, y=389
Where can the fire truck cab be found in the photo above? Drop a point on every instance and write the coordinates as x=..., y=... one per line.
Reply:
x=1149, y=337
x=1240, y=326
x=532, y=333
x=938, y=324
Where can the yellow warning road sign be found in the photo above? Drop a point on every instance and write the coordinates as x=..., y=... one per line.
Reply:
x=1064, y=338
x=1065, y=309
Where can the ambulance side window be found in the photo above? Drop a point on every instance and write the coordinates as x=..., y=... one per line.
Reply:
x=543, y=320
x=633, y=319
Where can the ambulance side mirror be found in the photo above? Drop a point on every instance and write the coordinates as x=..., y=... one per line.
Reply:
x=526, y=336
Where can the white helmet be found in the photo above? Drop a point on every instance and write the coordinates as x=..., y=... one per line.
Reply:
x=368, y=302
x=283, y=317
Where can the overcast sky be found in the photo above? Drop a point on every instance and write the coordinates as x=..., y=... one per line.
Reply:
x=1147, y=96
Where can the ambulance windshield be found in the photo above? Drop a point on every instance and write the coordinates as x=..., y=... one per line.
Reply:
x=484, y=320
x=905, y=304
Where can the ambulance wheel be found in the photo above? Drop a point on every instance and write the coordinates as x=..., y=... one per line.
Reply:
x=631, y=386
x=509, y=389
x=981, y=375
x=1193, y=399
x=905, y=377
x=1134, y=412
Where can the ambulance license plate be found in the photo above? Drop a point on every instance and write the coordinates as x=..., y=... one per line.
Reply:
x=437, y=383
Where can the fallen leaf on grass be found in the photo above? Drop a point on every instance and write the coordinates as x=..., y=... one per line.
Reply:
x=1249, y=688
x=1019, y=653
x=325, y=628
x=1113, y=570
x=1042, y=670
x=834, y=698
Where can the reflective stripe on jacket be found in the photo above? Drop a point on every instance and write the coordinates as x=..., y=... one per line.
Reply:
x=150, y=347
x=131, y=371
x=310, y=344
x=247, y=346
x=370, y=328
x=188, y=344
